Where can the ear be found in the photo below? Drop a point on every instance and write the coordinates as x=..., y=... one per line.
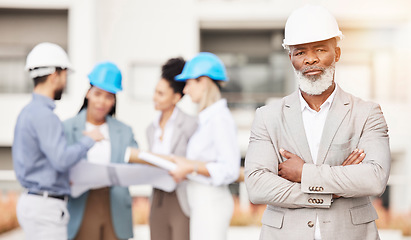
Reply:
x=337, y=54
x=53, y=78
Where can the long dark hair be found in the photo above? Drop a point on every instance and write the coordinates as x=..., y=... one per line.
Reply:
x=112, y=111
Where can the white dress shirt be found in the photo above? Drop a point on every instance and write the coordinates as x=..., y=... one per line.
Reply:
x=215, y=142
x=162, y=145
x=101, y=151
x=314, y=124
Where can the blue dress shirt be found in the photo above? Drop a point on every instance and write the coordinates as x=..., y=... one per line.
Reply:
x=41, y=156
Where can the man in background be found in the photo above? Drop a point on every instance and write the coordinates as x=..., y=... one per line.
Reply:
x=41, y=156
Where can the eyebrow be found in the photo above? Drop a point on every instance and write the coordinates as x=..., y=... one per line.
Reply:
x=315, y=46
x=299, y=48
x=320, y=45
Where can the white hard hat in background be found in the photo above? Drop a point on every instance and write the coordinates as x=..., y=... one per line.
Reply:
x=310, y=24
x=44, y=58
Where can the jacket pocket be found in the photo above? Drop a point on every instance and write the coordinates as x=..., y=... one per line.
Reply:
x=348, y=145
x=273, y=218
x=363, y=214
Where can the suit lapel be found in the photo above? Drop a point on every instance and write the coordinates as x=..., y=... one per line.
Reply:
x=338, y=110
x=177, y=132
x=295, y=126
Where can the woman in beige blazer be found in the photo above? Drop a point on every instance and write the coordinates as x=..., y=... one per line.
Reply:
x=168, y=134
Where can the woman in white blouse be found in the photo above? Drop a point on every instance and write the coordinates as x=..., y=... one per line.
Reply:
x=212, y=151
x=103, y=213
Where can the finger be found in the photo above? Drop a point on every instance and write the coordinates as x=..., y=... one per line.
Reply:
x=176, y=179
x=286, y=153
x=349, y=157
x=355, y=157
x=359, y=159
x=174, y=176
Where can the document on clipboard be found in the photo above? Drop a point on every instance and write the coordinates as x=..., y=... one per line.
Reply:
x=86, y=175
x=165, y=164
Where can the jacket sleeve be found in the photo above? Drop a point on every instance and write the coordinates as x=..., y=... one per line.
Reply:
x=226, y=167
x=264, y=186
x=53, y=143
x=366, y=179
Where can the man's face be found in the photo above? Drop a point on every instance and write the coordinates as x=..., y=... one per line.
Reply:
x=314, y=65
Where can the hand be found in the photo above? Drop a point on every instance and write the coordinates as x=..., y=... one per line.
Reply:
x=292, y=168
x=94, y=134
x=241, y=175
x=134, y=158
x=355, y=157
x=184, y=167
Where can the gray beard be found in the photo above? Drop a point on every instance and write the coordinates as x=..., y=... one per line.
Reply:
x=316, y=85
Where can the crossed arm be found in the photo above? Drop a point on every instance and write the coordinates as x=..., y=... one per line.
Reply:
x=292, y=168
x=289, y=184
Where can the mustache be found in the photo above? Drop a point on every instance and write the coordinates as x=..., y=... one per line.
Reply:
x=309, y=68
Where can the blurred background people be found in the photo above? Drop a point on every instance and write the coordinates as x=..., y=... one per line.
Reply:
x=41, y=156
x=211, y=152
x=103, y=213
x=168, y=135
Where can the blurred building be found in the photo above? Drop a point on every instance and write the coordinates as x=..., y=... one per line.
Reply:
x=247, y=34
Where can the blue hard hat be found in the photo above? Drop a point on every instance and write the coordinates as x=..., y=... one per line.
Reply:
x=203, y=64
x=107, y=76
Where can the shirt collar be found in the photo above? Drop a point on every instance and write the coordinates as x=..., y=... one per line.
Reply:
x=212, y=110
x=48, y=102
x=327, y=103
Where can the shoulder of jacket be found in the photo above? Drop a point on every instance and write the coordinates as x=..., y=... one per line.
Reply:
x=119, y=124
x=274, y=106
x=187, y=120
x=360, y=104
x=70, y=121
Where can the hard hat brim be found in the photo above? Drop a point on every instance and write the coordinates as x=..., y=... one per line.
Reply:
x=184, y=78
x=285, y=44
x=106, y=88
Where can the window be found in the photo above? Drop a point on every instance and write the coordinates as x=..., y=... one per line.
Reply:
x=257, y=65
x=21, y=30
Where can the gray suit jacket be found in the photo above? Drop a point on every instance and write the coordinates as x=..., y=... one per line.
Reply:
x=293, y=207
x=184, y=128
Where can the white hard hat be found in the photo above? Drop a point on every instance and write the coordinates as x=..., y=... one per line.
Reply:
x=310, y=24
x=44, y=58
